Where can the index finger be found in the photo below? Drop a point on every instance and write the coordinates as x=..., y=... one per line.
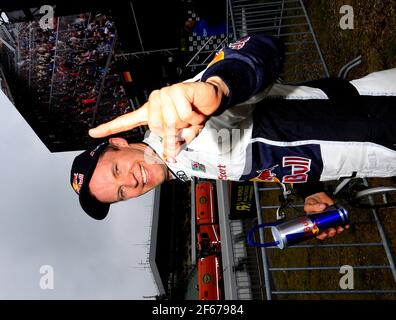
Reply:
x=122, y=123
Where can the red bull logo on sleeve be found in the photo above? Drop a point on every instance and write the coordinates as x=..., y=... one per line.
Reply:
x=266, y=175
x=239, y=44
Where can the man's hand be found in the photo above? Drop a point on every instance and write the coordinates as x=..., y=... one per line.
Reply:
x=176, y=113
x=317, y=203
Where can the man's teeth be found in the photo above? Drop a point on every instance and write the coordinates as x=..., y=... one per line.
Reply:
x=143, y=174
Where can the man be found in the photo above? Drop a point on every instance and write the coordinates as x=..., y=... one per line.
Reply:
x=248, y=130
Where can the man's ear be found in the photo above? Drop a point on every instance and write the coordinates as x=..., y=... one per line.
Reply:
x=118, y=142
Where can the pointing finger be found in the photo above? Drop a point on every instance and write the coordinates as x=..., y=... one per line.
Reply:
x=122, y=123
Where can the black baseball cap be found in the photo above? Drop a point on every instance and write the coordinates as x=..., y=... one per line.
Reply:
x=81, y=172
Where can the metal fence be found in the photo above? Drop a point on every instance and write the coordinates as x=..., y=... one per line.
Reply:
x=366, y=251
x=287, y=19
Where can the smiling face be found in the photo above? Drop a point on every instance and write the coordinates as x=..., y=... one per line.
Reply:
x=127, y=172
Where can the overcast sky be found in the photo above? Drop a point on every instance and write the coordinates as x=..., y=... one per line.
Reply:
x=41, y=223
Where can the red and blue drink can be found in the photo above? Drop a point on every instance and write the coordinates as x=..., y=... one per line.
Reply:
x=288, y=233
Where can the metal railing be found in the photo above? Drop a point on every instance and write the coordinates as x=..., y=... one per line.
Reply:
x=286, y=19
x=358, y=250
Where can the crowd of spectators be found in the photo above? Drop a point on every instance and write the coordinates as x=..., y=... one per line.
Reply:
x=68, y=68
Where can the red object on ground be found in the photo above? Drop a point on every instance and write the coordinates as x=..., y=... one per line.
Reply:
x=204, y=199
x=209, y=277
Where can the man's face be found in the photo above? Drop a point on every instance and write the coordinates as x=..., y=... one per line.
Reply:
x=126, y=173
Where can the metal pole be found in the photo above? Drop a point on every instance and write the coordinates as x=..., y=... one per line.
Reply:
x=232, y=19
x=31, y=44
x=137, y=26
x=7, y=44
x=280, y=19
x=263, y=250
x=227, y=14
x=336, y=292
x=314, y=37
x=383, y=239
x=79, y=68
x=168, y=50
x=193, y=231
x=7, y=33
x=227, y=254
x=53, y=67
x=103, y=80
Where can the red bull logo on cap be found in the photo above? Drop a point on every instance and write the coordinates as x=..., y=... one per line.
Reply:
x=78, y=180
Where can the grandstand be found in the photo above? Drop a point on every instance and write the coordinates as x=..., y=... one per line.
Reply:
x=88, y=67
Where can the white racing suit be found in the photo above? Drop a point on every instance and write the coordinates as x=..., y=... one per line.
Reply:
x=322, y=130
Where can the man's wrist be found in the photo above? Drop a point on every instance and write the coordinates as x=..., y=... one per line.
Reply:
x=222, y=94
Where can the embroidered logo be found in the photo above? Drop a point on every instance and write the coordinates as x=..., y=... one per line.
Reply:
x=182, y=175
x=239, y=44
x=266, y=175
x=78, y=180
x=299, y=169
x=196, y=166
x=222, y=172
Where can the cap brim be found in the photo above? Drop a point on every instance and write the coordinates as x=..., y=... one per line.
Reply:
x=94, y=208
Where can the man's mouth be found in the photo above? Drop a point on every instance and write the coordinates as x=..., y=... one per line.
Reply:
x=144, y=174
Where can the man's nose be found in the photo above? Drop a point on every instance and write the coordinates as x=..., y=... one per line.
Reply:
x=129, y=180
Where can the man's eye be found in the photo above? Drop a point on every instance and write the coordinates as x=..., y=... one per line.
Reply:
x=122, y=194
x=116, y=170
